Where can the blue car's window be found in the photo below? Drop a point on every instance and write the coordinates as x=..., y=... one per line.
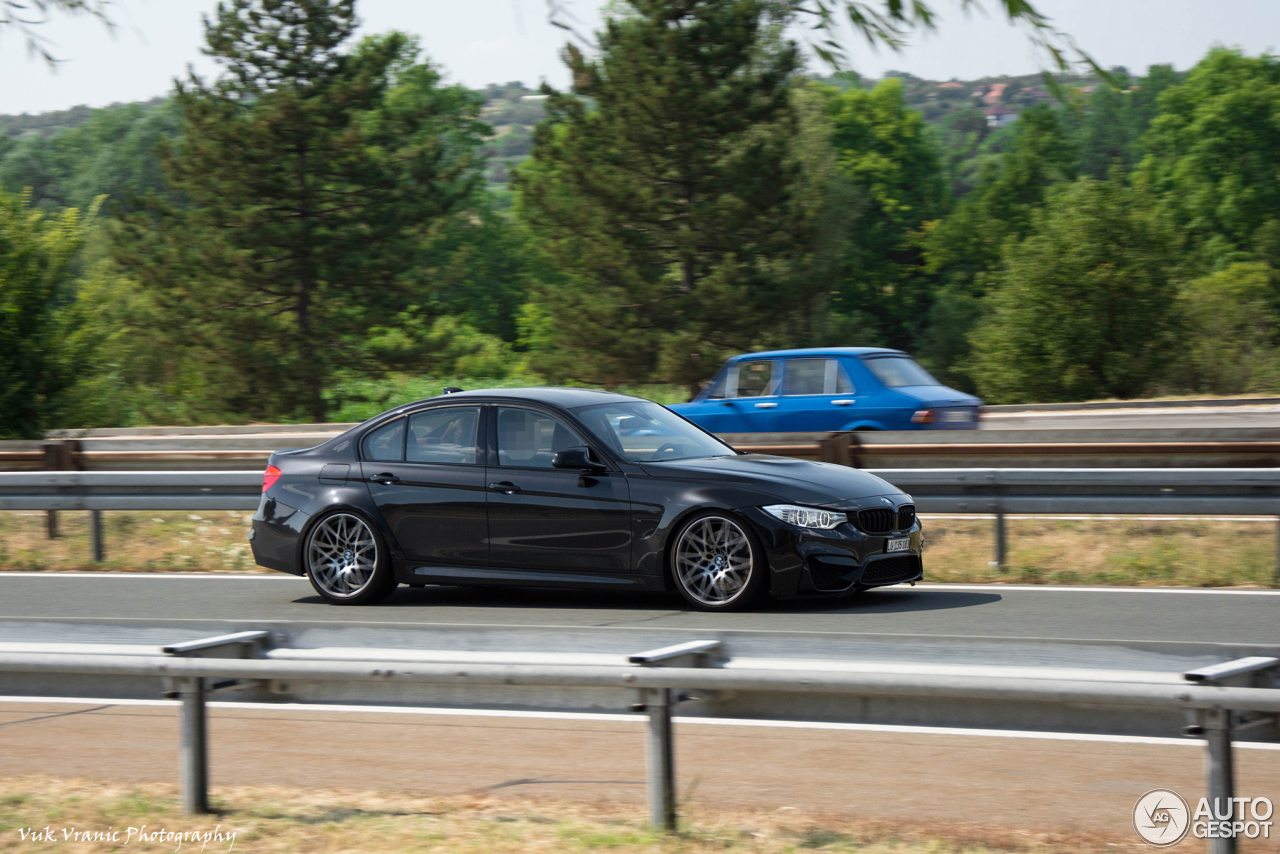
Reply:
x=755, y=379
x=897, y=371
x=386, y=444
x=716, y=391
x=646, y=432
x=444, y=435
x=815, y=376
x=531, y=439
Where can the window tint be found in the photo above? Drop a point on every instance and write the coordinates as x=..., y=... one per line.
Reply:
x=528, y=438
x=755, y=379
x=386, y=443
x=897, y=371
x=445, y=435
x=815, y=376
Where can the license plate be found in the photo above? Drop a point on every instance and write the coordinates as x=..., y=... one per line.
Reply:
x=954, y=415
x=899, y=544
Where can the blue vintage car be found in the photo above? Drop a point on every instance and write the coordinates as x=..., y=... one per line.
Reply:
x=827, y=389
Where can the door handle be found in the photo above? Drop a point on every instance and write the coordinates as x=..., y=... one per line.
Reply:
x=506, y=487
x=842, y=402
x=386, y=478
x=765, y=405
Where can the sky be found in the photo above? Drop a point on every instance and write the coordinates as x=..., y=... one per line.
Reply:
x=477, y=42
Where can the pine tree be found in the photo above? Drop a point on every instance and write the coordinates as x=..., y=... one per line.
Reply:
x=663, y=190
x=316, y=174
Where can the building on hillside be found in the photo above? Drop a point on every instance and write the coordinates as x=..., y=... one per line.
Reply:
x=999, y=116
x=994, y=93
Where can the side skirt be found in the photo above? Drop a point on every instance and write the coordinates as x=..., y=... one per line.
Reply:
x=410, y=572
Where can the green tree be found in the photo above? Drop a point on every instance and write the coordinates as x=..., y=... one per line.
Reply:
x=885, y=151
x=1083, y=307
x=318, y=175
x=1230, y=342
x=43, y=343
x=963, y=248
x=112, y=154
x=1213, y=153
x=663, y=192
x=1116, y=118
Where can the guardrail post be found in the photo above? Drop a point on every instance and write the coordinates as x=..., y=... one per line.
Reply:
x=1000, y=540
x=95, y=534
x=1219, y=774
x=58, y=456
x=660, y=760
x=195, y=748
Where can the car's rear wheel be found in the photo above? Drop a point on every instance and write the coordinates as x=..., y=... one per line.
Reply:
x=347, y=562
x=718, y=564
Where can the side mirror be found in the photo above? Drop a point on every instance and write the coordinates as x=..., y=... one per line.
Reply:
x=576, y=458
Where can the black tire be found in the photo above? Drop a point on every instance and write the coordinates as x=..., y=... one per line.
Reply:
x=722, y=537
x=347, y=561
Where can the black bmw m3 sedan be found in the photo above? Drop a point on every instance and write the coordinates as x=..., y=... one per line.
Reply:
x=566, y=487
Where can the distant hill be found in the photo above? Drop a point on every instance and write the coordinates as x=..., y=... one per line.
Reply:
x=971, y=116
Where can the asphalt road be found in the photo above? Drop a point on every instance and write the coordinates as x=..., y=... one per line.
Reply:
x=924, y=613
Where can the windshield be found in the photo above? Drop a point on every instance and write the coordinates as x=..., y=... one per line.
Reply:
x=896, y=371
x=645, y=432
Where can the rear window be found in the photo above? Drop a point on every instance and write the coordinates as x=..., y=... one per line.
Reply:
x=898, y=371
x=386, y=444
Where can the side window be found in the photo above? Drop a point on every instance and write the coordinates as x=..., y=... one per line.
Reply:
x=386, y=443
x=806, y=376
x=531, y=439
x=719, y=385
x=755, y=379
x=444, y=435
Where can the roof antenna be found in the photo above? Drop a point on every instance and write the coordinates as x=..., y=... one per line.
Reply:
x=452, y=389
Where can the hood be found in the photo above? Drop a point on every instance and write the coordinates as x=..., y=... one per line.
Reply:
x=938, y=396
x=792, y=480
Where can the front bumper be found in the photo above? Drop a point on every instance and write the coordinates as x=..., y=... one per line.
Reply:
x=839, y=562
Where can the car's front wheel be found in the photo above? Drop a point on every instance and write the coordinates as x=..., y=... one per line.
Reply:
x=718, y=563
x=347, y=562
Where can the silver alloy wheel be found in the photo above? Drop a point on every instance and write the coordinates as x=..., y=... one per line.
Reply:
x=713, y=560
x=342, y=555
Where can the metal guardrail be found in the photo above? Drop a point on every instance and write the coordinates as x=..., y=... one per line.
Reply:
x=997, y=491
x=1221, y=699
x=992, y=490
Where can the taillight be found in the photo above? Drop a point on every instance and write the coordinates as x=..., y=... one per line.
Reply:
x=924, y=416
x=269, y=477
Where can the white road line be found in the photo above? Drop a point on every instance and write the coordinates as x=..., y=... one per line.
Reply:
x=1270, y=520
x=1046, y=588
x=922, y=586
x=270, y=576
x=640, y=719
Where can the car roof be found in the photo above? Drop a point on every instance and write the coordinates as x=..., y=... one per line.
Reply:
x=567, y=398
x=821, y=351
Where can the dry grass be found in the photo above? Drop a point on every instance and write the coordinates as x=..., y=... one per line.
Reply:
x=144, y=541
x=1181, y=552
x=287, y=820
x=1129, y=552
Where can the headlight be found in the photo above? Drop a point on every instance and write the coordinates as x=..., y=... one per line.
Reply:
x=806, y=517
